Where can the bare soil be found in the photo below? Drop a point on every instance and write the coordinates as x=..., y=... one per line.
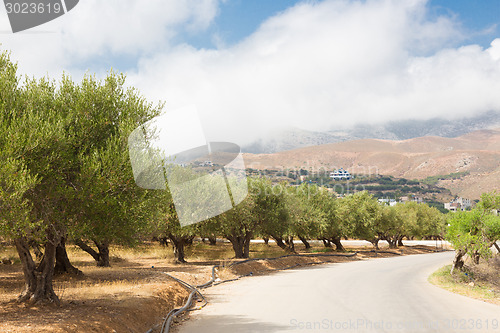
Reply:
x=134, y=294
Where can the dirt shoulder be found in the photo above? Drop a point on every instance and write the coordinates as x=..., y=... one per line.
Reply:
x=134, y=294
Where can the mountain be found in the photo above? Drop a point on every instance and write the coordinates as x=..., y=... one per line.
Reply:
x=395, y=130
x=477, y=153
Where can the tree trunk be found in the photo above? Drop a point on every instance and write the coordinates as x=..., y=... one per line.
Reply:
x=289, y=242
x=188, y=240
x=212, y=240
x=458, y=262
x=178, y=244
x=475, y=257
x=82, y=245
x=338, y=243
x=497, y=247
x=375, y=244
x=305, y=242
x=400, y=241
x=163, y=241
x=36, y=249
x=63, y=265
x=326, y=242
x=241, y=245
x=246, y=245
x=279, y=242
x=38, y=279
x=238, y=243
x=266, y=240
x=103, y=248
x=101, y=256
x=393, y=242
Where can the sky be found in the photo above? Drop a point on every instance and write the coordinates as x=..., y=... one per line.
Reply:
x=255, y=67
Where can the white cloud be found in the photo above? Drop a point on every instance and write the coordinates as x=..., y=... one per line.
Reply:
x=110, y=28
x=322, y=65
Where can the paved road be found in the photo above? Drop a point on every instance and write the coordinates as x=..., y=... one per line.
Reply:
x=382, y=295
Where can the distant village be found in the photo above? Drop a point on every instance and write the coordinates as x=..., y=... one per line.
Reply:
x=339, y=175
x=457, y=204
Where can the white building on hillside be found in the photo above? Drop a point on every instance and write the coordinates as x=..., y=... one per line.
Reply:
x=389, y=202
x=340, y=174
x=458, y=204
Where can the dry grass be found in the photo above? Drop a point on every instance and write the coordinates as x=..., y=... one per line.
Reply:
x=483, y=286
x=8, y=252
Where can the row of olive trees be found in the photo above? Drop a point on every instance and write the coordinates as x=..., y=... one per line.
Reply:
x=66, y=176
x=306, y=212
x=475, y=232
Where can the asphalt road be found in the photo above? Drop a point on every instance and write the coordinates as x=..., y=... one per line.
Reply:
x=382, y=295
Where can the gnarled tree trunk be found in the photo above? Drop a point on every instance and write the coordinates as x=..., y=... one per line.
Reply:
x=393, y=242
x=458, y=262
x=241, y=245
x=290, y=243
x=163, y=241
x=212, y=240
x=279, y=242
x=338, y=243
x=103, y=248
x=63, y=265
x=38, y=278
x=178, y=243
x=36, y=249
x=326, y=242
x=101, y=256
x=246, y=246
x=305, y=242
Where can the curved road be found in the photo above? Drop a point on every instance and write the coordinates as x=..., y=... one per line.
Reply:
x=380, y=295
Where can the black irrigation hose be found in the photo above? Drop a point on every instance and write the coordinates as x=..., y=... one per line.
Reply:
x=174, y=312
x=168, y=319
x=211, y=281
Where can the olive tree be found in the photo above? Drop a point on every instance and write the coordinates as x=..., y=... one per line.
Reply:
x=32, y=190
x=474, y=232
x=270, y=209
x=108, y=205
x=361, y=212
x=58, y=143
x=331, y=229
x=309, y=206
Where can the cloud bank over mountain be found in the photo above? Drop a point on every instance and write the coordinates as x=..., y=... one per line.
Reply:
x=319, y=66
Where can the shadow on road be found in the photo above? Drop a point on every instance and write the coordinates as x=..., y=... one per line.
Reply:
x=231, y=324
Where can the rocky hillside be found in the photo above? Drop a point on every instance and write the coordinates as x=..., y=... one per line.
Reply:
x=478, y=153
